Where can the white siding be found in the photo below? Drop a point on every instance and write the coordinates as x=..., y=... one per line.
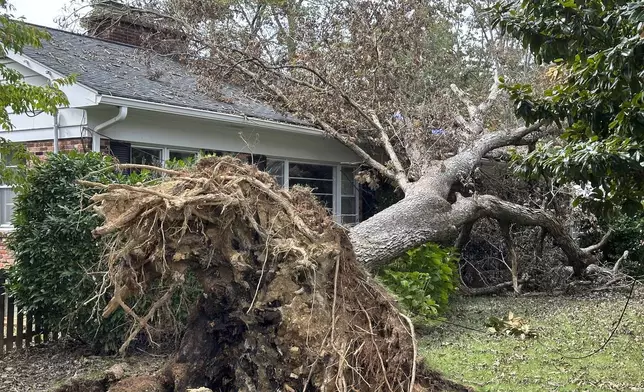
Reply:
x=31, y=76
x=150, y=128
x=41, y=127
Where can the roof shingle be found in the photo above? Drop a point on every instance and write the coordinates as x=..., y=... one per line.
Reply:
x=126, y=71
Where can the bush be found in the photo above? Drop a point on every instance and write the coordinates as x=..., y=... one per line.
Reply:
x=58, y=273
x=628, y=234
x=423, y=279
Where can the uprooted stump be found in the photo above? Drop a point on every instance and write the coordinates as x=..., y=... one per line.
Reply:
x=285, y=305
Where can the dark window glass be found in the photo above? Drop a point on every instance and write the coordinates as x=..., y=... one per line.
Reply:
x=146, y=156
x=326, y=200
x=318, y=186
x=303, y=170
x=182, y=155
x=348, y=205
x=276, y=169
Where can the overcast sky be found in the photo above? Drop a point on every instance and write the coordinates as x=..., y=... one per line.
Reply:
x=40, y=12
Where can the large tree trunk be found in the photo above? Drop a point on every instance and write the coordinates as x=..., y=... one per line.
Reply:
x=425, y=217
x=425, y=214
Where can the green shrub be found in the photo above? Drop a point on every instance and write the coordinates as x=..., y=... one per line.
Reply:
x=628, y=234
x=58, y=273
x=423, y=279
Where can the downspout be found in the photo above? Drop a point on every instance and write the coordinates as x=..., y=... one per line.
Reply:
x=96, y=137
x=56, y=128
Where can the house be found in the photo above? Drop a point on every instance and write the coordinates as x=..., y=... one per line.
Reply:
x=148, y=108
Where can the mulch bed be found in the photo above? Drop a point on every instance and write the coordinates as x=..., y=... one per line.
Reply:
x=43, y=368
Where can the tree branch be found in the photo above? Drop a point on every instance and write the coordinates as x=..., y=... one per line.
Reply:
x=492, y=96
x=506, y=232
x=359, y=151
x=494, y=207
x=368, y=159
x=401, y=175
x=600, y=244
x=462, y=96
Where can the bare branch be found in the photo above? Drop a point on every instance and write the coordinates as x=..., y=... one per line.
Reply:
x=493, y=207
x=399, y=177
x=472, y=110
x=506, y=232
x=398, y=167
x=492, y=97
x=600, y=244
x=359, y=151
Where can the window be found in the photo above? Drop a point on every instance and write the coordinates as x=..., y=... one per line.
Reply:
x=317, y=177
x=6, y=201
x=146, y=156
x=276, y=169
x=182, y=155
x=348, y=196
x=7, y=195
x=334, y=186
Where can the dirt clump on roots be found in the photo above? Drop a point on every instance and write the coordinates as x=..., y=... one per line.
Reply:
x=285, y=304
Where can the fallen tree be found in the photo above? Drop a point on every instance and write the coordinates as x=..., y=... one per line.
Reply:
x=273, y=264
x=285, y=305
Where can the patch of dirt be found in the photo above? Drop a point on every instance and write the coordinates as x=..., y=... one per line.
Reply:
x=46, y=367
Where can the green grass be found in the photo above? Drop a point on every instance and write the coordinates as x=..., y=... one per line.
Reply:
x=567, y=327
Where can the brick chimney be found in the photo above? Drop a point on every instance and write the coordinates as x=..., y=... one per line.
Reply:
x=114, y=21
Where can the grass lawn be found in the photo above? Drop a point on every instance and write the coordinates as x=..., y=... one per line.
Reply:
x=567, y=327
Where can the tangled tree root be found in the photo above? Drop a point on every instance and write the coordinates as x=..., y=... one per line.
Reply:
x=285, y=305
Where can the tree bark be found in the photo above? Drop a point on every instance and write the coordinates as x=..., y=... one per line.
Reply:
x=423, y=217
x=506, y=231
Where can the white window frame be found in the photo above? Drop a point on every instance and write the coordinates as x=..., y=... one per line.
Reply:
x=3, y=205
x=337, y=174
x=9, y=225
x=340, y=196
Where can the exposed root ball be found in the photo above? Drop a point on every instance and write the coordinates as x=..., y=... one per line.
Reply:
x=285, y=305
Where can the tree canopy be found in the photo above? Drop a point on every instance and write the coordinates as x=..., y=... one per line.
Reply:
x=597, y=51
x=16, y=95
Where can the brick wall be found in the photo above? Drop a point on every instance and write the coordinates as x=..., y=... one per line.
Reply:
x=132, y=33
x=6, y=258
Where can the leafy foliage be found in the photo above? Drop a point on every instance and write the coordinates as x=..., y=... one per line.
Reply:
x=423, y=279
x=58, y=272
x=512, y=325
x=628, y=234
x=15, y=93
x=598, y=50
x=56, y=256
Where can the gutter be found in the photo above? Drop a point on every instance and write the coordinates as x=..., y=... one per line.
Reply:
x=96, y=134
x=214, y=116
x=56, y=129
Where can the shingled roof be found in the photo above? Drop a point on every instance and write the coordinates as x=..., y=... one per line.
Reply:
x=124, y=71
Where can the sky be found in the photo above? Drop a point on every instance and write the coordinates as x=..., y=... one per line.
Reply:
x=40, y=12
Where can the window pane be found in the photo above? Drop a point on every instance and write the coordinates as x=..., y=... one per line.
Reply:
x=146, y=156
x=326, y=200
x=349, y=205
x=318, y=186
x=311, y=171
x=6, y=199
x=349, y=219
x=348, y=181
x=275, y=168
x=182, y=155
